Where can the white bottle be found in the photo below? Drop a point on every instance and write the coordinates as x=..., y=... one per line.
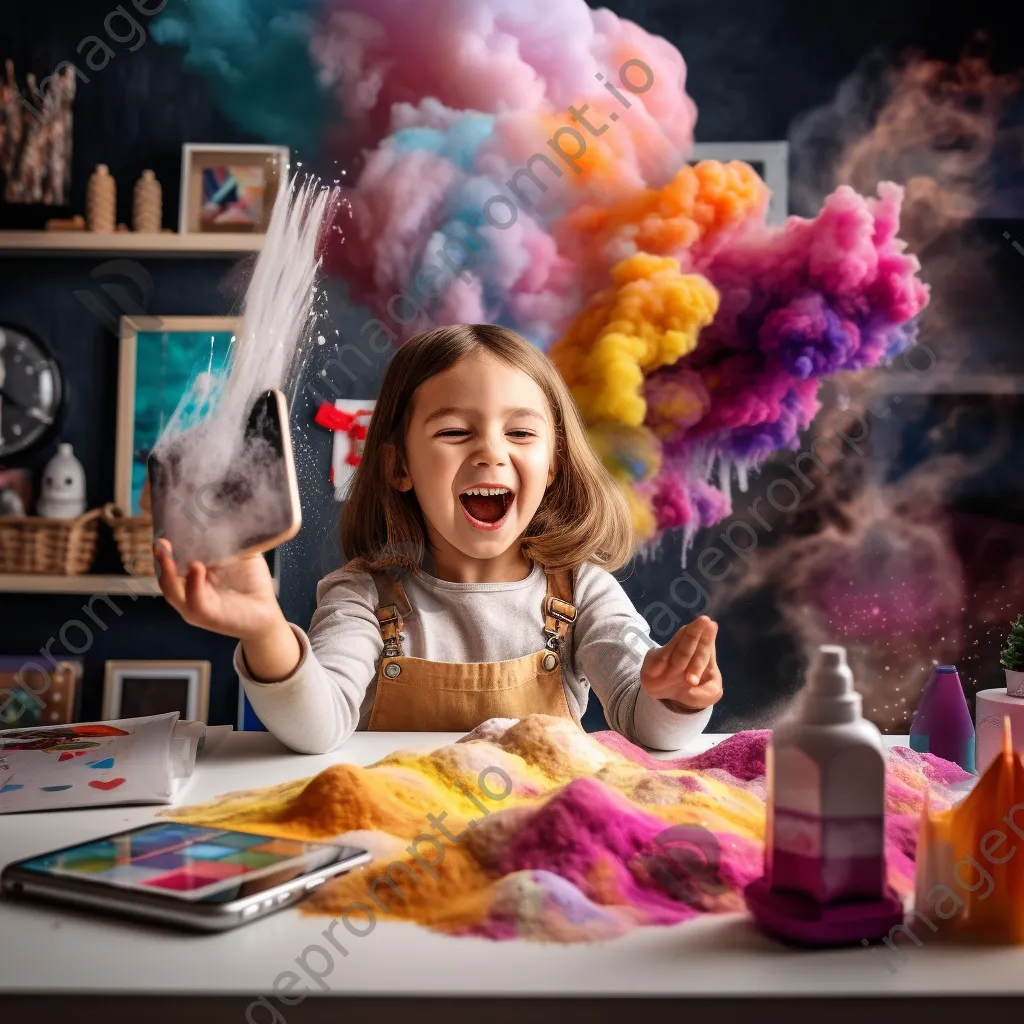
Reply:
x=62, y=492
x=825, y=834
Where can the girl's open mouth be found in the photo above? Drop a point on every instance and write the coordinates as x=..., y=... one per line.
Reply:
x=487, y=508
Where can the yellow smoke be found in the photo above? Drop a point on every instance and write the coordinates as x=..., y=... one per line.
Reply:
x=649, y=317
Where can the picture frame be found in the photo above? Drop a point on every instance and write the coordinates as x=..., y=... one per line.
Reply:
x=156, y=368
x=769, y=159
x=137, y=689
x=229, y=188
x=35, y=693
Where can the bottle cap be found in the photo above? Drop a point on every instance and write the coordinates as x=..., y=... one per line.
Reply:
x=829, y=697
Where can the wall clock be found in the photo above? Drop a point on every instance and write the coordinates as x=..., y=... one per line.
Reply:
x=31, y=391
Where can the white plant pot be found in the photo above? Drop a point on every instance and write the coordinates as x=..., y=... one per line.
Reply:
x=1014, y=683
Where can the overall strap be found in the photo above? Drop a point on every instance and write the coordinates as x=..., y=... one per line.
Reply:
x=392, y=604
x=559, y=610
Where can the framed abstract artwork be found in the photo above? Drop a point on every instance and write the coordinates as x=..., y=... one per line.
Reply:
x=35, y=693
x=163, y=361
x=138, y=689
x=229, y=188
x=769, y=159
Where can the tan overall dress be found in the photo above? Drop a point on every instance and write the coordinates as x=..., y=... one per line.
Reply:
x=416, y=695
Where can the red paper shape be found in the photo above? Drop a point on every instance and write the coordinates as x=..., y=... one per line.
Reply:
x=111, y=784
x=330, y=416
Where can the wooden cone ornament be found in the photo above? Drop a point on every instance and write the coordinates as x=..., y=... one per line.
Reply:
x=147, y=204
x=101, y=201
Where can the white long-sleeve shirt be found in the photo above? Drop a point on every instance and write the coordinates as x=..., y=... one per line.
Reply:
x=330, y=694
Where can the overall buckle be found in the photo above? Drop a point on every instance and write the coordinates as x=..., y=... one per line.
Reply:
x=568, y=619
x=393, y=617
x=392, y=644
x=555, y=637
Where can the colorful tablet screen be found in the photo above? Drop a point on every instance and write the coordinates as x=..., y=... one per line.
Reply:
x=186, y=861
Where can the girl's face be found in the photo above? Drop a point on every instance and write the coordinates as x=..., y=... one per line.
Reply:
x=480, y=425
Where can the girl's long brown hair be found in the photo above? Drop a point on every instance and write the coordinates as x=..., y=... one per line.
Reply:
x=582, y=517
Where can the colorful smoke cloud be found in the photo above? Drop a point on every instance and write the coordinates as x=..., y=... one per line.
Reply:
x=511, y=185
x=524, y=162
x=874, y=563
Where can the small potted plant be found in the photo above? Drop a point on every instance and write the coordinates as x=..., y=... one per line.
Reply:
x=1012, y=658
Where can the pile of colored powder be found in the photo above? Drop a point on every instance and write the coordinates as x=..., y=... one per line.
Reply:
x=533, y=830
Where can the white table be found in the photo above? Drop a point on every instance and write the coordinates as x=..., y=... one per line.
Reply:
x=63, y=964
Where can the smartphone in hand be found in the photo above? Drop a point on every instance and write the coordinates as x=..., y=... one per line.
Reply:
x=253, y=507
x=196, y=877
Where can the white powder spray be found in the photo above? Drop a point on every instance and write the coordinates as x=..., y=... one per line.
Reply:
x=221, y=489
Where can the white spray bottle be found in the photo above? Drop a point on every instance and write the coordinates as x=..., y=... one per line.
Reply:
x=824, y=872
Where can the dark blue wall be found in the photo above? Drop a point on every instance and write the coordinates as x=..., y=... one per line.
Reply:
x=753, y=67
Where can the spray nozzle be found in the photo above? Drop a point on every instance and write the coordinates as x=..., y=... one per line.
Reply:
x=829, y=695
x=831, y=670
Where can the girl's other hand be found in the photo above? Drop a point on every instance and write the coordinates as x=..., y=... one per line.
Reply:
x=685, y=670
x=235, y=597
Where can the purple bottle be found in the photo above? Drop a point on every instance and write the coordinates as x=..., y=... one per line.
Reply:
x=942, y=723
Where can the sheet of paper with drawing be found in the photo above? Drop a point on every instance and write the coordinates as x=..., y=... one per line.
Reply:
x=129, y=761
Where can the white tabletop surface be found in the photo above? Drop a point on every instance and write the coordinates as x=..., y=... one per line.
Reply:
x=43, y=949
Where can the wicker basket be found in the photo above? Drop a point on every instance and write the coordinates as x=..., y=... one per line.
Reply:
x=52, y=547
x=134, y=538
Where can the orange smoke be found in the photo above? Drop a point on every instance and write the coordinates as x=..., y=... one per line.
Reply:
x=699, y=203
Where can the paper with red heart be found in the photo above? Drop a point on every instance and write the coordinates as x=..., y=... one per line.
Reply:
x=135, y=765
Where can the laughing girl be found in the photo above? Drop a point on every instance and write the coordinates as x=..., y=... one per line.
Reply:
x=482, y=532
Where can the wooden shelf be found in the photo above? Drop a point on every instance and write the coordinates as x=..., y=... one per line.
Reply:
x=86, y=243
x=115, y=584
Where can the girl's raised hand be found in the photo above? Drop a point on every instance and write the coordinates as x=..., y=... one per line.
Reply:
x=235, y=597
x=685, y=670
